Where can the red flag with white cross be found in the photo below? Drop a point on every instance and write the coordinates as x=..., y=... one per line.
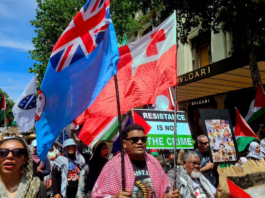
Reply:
x=147, y=67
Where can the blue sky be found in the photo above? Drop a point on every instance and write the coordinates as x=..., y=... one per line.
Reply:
x=16, y=35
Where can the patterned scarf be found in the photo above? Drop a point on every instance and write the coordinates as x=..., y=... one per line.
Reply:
x=109, y=182
x=29, y=185
x=185, y=184
x=61, y=163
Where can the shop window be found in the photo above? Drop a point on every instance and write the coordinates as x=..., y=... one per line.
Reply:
x=201, y=50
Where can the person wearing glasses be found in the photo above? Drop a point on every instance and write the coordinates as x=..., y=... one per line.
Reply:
x=16, y=171
x=190, y=181
x=144, y=176
x=206, y=165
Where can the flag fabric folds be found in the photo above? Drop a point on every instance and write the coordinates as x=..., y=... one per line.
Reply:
x=260, y=97
x=147, y=66
x=124, y=41
x=103, y=129
x=25, y=107
x=254, y=112
x=235, y=191
x=64, y=135
x=82, y=62
x=243, y=133
x=3, y=109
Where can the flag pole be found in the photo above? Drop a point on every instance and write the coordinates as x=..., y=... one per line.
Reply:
x=120, y=130
x=175, y=137
x=175, y=129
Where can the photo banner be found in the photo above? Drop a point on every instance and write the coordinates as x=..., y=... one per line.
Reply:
x=217, y=127
x=159, y=128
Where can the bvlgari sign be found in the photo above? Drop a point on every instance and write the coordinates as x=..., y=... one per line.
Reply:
x=194, y=75
x=200, y=102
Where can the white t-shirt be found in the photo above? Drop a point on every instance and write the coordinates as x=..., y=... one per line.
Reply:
x=199, y=191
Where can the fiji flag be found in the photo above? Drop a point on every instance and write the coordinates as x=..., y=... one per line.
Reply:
x=82, y=62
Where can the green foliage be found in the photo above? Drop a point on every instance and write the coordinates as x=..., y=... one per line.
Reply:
x=245, y=18
x=9, y=105
x=53, y=16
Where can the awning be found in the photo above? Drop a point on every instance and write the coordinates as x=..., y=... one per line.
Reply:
x=217, y=78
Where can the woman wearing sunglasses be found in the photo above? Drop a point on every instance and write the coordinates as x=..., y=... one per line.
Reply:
x=16, y=171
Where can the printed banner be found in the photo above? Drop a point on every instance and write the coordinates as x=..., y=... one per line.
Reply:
x=217, y=127
x=159, y=128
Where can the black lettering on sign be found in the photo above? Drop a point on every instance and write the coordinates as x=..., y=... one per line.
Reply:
x=159, y=127
x=164, y=116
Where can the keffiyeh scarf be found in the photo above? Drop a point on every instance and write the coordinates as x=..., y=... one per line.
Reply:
x=109, y=182
x=62, y=164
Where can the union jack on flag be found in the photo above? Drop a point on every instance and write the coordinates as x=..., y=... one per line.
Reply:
x=82, y=35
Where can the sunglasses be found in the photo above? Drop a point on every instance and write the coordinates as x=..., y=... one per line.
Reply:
x=136, y=139
x=195, y=163
x=18, y=152
x=205, y=143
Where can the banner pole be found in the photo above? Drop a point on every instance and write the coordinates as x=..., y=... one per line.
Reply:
x=120, y=130
x=175, y=137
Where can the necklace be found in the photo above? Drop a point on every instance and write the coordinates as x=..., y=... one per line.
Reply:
x=14, y=188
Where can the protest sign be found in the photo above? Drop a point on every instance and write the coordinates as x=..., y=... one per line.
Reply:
x=159, y=128
x=217, y=127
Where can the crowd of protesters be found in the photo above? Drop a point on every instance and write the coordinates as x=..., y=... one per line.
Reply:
x=74, y=170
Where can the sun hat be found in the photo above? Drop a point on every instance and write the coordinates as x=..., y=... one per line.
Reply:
x=97, y=143
x=34, y=143
x=69, y=142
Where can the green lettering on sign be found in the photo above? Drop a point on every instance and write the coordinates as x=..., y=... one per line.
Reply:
x=160, y=141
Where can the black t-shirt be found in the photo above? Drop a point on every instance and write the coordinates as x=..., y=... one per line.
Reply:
x=143, y=186
x=84, y=150
x=205, y=159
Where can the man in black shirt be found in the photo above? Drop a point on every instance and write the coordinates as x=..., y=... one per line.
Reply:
x=149, y=178
x=206, y=165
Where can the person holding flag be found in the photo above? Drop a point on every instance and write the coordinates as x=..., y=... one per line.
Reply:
x=144, y=174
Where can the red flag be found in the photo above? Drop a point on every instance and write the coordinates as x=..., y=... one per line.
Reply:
x=235, y=191
x=242, y=128
x=165, y=100
x=260, y=97
x=146, y=68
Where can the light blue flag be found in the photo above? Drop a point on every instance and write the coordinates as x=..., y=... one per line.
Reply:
x=82, y=62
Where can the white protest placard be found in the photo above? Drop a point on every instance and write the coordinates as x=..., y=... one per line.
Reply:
x=159, y=128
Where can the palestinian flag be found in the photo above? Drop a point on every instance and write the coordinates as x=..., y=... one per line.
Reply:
x=235, y=191
x=154, y=152
x=103, y=129
x=254, y=112
x=3, y=109
x=244, y=134
x=260, y=97
x=256, y=108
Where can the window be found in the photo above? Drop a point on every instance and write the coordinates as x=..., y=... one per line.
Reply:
x=148, y=30
x=201, y=50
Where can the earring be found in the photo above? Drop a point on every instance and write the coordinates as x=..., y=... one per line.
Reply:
x=22, y=169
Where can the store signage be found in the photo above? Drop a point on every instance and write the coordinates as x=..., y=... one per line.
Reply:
x=204, y=71
x=159, y=128
x=200, y=102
